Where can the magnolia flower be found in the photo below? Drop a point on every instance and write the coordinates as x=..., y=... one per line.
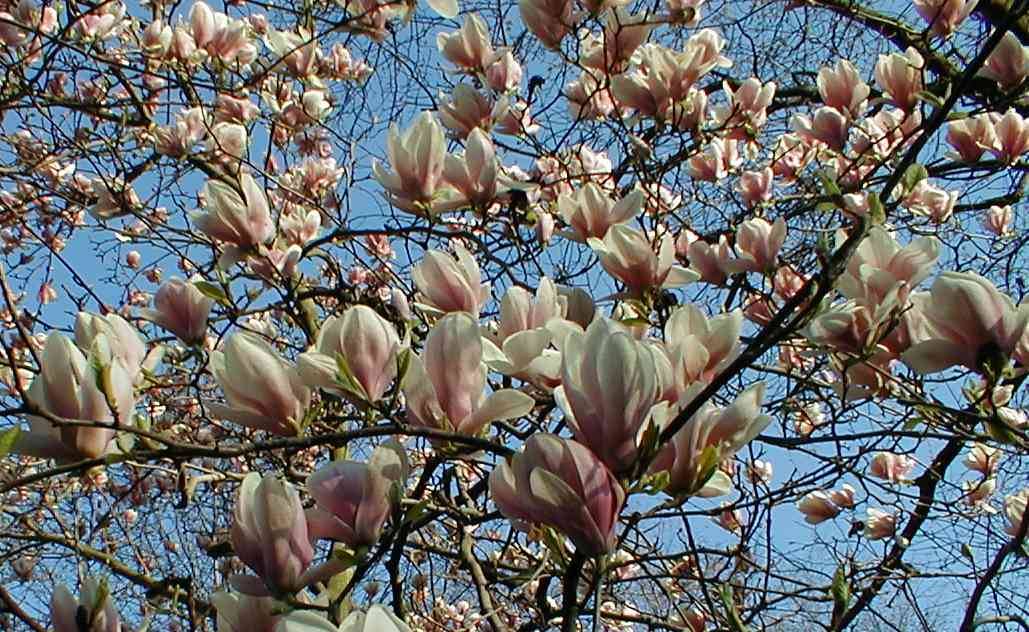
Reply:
x=1012, y=136
x=623, y=34
x=548, y=20
x=976, y=494
x=474, y=175
x=747, y=109
x=1014, y=510
x=756, y=186
x=998, y=220
x=880, y=265
x=700, y=347
x=590, y=211
x=376, y=619
x=931, y=201
x=900, y=77
x=714, y=163
x=842, y=88
x=522, y=334
x=967, y=322
x=94, y=607
x=817, y=507
x=123, y=340
x=91, y=387
x=711, y=436
x=759, y=472
x=417, y=160
x=627, y=255
x=972, y=136
x=843, y=497
x=355, y=354
x=504, y=74
x=353, y=498
x=879, y=524
x=944, y=16
x=241, y=220
x=262, y=390
x=560, y=483
x=181, y=308
x=269, y=535
x=828, y=127
x=757, y=245
x=983, y=459
x=711, y=263
x=469, y=109
x=449, y=285
x=1008, y=64
x=468, y=48
x=891, y=467
x=238, y=612
x=444, y=387
x=609, y=384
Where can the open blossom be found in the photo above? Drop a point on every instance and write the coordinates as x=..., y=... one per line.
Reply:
x=560, y=483
x=623, y=34
x=262, y=390
x=468, y=48
x=828, y=126
x=221, y=37
x=628, y=255
x=891, y=467
x=355, y=354
x=944, y=16
x=1014, y=511
x=843, y=497
x=756, y=186
x=467, y=109
x=352, y=499
x=1012, y=136
x=1008, y=64
x=522, y=332
x=998, y=220
x=416, y=158
x=548, y=20
x=747, y=109
x=182, y=309
x=711, y=432
x=120, y=338
x=817, y=507
x=238, y=612
x=900, y=77
x=932, y=201
x=807, y=418
x=972, y=136
x=879, y=524
x=983, y=458
x=504, y=73
x=976, y=494
x=711, y=262
x=449, y=285
x=759, y=472
x=842, y=88
x=700, y=347
x=376, y=619
x=475, y=175
x=590, y=211
x=609, y=386
x=241, y=220
x=445, y=385
x=967, y=322
x=94, y=606
x=879, y=265
x=69, y=387
x=758, y=243
x=714, y=163
x=269, y=534
x=588, y=97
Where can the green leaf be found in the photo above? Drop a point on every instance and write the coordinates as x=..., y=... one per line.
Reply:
x=212, y=291
x=876, y=212
x=735, y=622
x=930, y=98
x=967, y=552
x=346, y=380
x=912, y=176
x=828, y=183
x=8, y=438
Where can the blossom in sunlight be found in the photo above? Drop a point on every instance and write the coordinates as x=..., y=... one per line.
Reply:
x=355, y=354
x=181, y=308
x=93, y=605
x=445, y=385
x=560, y=483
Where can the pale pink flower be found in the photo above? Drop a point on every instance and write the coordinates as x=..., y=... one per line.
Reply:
x=560, y=483
x=758, y=243
x=623, y=34
x=700, y=347
x=468, y=48
x=1008, y=64
x=504, y=73
x=629, y=256
x=1014, y=511
x=355, y=355
x=475, y=175
x=447, y=284
x=891, y=467
x=983, y=458
x=843, y=497
x=972, y=136
x=899, y=75
x=879, y=524
x=469, y=109
x=445, y=385
x=181, y=308
x=747, y=109
x=241, y=220
x=417, y=160
x=880, y=266
x=591, y=212
x=714, y=163
x=977, y=494
x=998, y=220
x=842, y=88
x=817, y=507
x=932, y=201
x=93, y=605
x=828, y=127
x=1012, y=136
x=756, y=186
x=944, y=16
x=759, y=472
x=548, y=20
